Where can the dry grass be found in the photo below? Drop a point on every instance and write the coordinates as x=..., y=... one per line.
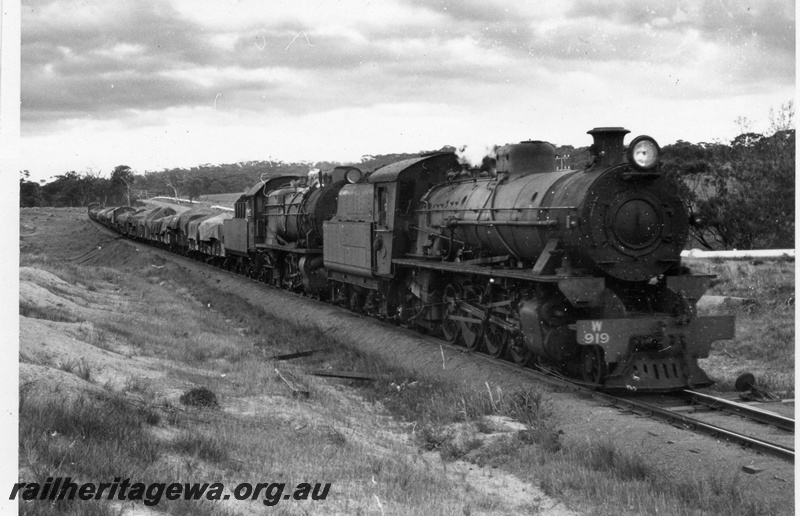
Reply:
x=91, y=437
x=80, y=368
x=317, y=442
x=49, y=314
x=216, y=341
x=765, y=330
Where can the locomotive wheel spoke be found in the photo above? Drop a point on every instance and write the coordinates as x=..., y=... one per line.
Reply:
x=471, y=335
x=593, y=365
x=471, y=332
x=451, y=328
x=495, y=340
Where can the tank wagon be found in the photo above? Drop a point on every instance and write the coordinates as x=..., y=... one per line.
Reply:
x=577, y=271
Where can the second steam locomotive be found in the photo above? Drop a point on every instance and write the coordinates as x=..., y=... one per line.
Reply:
x=575, y=270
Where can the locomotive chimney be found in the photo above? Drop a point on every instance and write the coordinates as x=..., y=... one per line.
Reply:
x=529, y=157
x=608, y=147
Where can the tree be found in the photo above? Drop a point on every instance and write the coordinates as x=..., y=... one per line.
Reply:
x=89, y=187
x=122, y=179
x=172, y=181
x=30, y=193
x=73, y=189
x=197, y=186
x=743, y=192
x=693, y=168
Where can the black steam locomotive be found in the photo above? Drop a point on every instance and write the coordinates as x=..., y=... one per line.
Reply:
x=576, y=270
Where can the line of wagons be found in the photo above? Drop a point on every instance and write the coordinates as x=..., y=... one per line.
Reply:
x=281, y=214
x=196, y=231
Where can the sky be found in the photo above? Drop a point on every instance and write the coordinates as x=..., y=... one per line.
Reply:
x=156, y=84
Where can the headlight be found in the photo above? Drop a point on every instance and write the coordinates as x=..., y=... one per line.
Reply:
x=643, y=153
x=353, y=175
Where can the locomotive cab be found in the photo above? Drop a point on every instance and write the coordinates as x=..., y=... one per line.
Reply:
x=374, y=223
x=373, y=227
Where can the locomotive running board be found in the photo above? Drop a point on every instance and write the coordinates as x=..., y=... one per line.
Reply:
x=296, y=250
x=462, y=268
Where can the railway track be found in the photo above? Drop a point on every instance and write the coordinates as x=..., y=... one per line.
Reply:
x=672, y=409
x=754, y=413
x=681, y=420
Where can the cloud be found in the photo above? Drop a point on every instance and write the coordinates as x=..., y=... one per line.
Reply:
x=771, y=23
x=506, y=66
x=103, y=67
x=106, y=59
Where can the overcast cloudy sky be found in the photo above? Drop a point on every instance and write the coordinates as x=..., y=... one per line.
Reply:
x=163, y=83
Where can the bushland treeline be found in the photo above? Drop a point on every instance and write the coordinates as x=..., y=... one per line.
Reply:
x=124, y=185
x=742, y=192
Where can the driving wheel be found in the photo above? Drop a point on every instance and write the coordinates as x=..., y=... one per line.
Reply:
x=495, y=340
x=471, y=332
x=451, y=328
x=593, y=365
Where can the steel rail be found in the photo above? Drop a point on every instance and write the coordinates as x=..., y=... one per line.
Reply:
x=650, y=410
x=690, y=423
x=741, y=409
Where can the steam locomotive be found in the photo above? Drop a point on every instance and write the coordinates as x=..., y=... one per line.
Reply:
x=575, y=270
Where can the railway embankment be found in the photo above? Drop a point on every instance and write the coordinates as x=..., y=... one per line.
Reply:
x=119, y=324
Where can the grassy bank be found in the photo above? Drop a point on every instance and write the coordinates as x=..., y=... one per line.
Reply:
x=399, y=444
